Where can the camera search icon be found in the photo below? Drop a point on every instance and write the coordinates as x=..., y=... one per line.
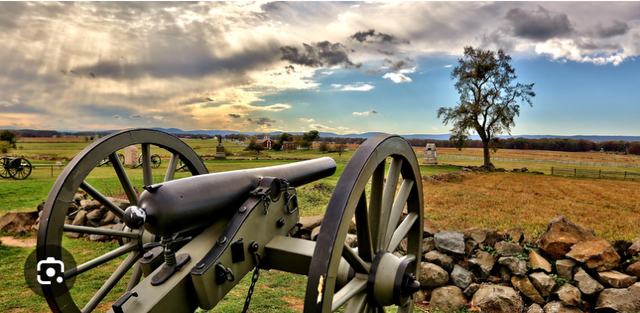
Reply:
x=50, y=268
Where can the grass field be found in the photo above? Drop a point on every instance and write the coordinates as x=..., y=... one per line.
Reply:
x=494, y=200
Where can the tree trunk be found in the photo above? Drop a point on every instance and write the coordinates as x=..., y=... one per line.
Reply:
x=485, y=148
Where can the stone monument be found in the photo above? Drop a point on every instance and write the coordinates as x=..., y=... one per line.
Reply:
x=430, y=155
x=220, y=150
x=130, y=156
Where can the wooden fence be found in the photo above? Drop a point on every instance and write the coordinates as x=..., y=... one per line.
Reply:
x=600, y=174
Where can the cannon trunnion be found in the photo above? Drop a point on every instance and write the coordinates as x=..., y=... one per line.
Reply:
x=190, y=240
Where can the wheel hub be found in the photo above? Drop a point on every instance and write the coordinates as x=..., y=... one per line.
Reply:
x=391, y=280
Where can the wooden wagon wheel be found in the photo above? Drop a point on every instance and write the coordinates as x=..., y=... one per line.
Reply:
x=155, y=160
x=5, y=170
x=381, y=278
x=20, y=168
x=131, y=242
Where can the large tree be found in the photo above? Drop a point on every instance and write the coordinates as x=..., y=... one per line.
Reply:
x=489, y=100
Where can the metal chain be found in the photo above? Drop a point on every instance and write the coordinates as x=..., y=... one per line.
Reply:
x=254, y=279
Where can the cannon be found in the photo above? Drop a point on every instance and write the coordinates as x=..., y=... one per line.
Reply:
x=155, y=161
x=106, y=160
x=189, y=240
x=16, y=168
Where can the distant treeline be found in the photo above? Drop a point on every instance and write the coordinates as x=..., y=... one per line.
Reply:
x=551, y=144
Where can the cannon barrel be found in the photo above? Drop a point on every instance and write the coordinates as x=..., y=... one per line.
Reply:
x=192, y=202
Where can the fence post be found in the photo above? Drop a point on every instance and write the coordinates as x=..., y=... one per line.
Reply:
x=552, y=171
x=600, y=174
x=575, y=172
x=51, y=170
x=625, y=175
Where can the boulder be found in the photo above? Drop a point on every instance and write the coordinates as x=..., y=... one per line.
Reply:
x=447, y=298
x=515, y=233
x=560, y=307
x=586, y=283
x=497, y=299
x=505, y=273
x=18, y=222
x=569, y=295
x=595, y=253
x=79, y=196
x=351, y=240
x=428, y=244
x=90, y=205
x=524, y=285
x=616, y=279
x=108, y=218
x=432, y=275
x=564, y=268
x=625, y=300
x=450, y=242
x=402, y=246
x=634, y=269
x=483, y=262
x=539, y=263
x=482, y=237
x=543, y=283
x=621, y=247
x=460, y=277
x=516, y=266
x=634, y=248
x=560, y=235
x=315, y=232
x=429, y=228
x=534, y=308
x=440, y=259
x=121, y=203
x=309, y=223
x=96, y=237
x=419, y=297
x=508, y=249
x=471, y=290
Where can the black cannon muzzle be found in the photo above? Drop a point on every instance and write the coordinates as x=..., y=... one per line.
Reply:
x=189, y=203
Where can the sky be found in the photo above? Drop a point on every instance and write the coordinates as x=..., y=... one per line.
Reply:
x=341, y=67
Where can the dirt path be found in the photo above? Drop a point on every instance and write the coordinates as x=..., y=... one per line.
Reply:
x=16, y=242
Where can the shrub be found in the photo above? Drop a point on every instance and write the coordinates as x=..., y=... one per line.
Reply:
x=5, y=146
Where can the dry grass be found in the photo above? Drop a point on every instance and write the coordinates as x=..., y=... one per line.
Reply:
x=503, y=200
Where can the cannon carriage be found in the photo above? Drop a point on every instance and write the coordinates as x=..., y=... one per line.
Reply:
x=16, y=168
x=190, y=240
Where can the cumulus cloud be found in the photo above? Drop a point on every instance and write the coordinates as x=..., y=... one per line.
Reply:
x=262, y=121
x=5, y=103
x=136, y=116
x=307, y=120
x=234, y=115
x=367, y=113
x=539, y=25
x=320, y=54
x=397, y=78
x=399, y=64
x=371, y=36
x=568, y=49
x=158, y=117
x=116, y=117
x=448, y=66
x=355, y=87
x=319, y=127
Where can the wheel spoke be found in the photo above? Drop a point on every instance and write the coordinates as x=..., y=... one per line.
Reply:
x=351, y=289
x=365, y=248
x=102, y=199
x=100, y=260
x=171, y=169
x=135, y=276
x=358, y=304
x=111, y=282
x=354, y=260
x=409, y=258
x=124, y=179
x=398, y=206
x=375, y=202
x=402, y=231
x=99, y=231
x=387, y=199
x=147, y=172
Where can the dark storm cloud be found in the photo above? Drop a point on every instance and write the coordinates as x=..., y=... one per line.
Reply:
x=234, y=115
x=319, y=54
x=616, y=29
x=399, y=64
x=262, y=121
x=389, y=53
x=183, y=52
x=538, y=25
x=370, y=36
